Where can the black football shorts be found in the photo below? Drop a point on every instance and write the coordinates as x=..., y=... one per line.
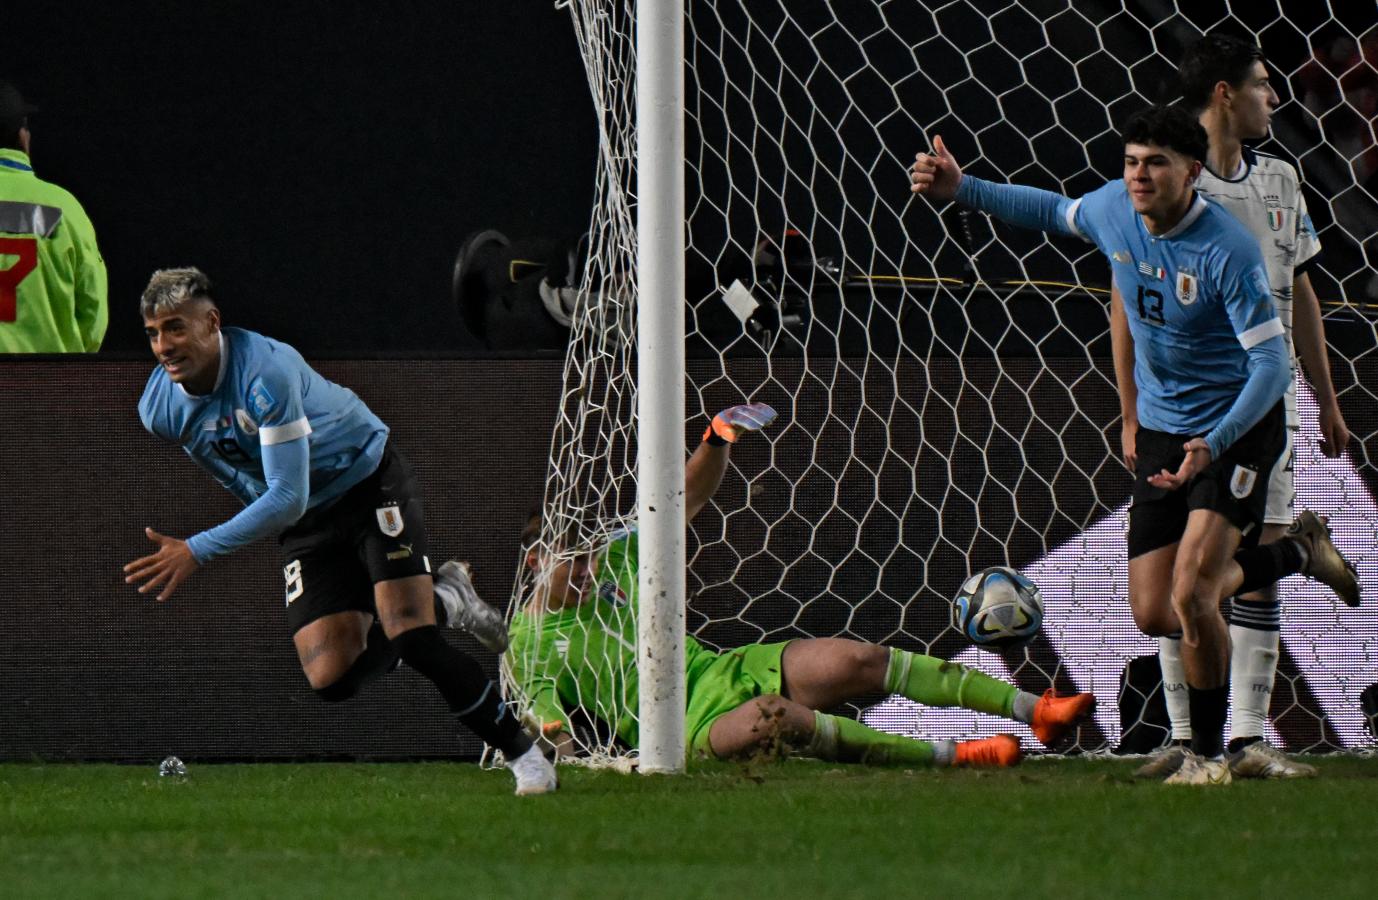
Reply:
x=1235, y=485
x=335, y=555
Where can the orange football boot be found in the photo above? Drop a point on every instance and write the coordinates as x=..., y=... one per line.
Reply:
x=1000, y=751
x=1054, y=716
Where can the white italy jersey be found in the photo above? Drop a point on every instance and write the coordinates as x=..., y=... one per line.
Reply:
x=1265, y=194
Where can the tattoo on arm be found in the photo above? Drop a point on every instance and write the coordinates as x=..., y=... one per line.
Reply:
x=313, y=653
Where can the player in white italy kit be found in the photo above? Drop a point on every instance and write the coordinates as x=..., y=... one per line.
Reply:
x=1225, y=82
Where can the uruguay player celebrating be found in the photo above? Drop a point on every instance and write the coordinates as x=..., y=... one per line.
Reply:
x=1211, y=368
x=312, y=465
x=1226, y=84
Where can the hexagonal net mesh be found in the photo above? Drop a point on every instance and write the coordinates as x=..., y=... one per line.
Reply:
x=944, y=385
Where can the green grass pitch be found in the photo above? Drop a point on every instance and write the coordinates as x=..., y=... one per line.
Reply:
x=1051, y=828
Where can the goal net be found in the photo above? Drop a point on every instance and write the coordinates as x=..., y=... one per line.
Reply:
x=944, y=384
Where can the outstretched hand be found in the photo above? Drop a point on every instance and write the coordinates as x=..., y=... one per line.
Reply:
x=169, y=566
x=1197, y=458
x=936, y=175
x=731, y=422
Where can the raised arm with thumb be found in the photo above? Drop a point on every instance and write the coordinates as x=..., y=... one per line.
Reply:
x=936, y=174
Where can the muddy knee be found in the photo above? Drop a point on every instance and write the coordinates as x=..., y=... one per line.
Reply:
x=780, y=720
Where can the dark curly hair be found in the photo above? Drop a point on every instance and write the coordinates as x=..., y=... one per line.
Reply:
x=1173, y=127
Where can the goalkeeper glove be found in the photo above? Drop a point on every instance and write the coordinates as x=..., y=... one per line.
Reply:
x=730, y=423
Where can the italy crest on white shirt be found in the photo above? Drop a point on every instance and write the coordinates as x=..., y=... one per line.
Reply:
x=1273, y=206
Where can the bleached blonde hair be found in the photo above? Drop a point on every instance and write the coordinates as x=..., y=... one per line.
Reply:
x=168, y=289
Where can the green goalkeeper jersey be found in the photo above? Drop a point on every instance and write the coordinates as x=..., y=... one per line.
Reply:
x=585, y=656
x=52, y=278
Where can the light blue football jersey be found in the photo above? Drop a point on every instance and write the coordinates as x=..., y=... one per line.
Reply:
x=1209, y=357
x=1196, y=297
x=266, y=394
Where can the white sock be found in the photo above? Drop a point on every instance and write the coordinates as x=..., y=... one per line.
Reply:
x=1024, y=704
x=823, y=744
x=1253, y=663
x=1175, y=686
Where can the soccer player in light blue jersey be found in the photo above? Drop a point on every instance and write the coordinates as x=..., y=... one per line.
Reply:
x=1211, y=369
x=1225, y=83
x=313, y=467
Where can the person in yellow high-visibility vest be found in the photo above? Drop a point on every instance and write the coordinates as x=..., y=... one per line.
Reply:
x=53, y=294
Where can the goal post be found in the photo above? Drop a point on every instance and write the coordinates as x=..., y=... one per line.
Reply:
x=660, y=381
x=944, y=384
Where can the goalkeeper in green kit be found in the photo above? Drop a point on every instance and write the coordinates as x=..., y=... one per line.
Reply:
x=574, y=646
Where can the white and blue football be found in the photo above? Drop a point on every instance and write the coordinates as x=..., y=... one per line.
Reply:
x=998, y=608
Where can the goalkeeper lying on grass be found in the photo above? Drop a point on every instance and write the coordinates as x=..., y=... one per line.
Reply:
x=574, y=645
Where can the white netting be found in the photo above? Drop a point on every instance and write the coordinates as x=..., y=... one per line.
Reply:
x=946, y=395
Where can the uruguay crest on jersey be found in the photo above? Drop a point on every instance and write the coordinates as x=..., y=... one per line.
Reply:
x=246, y=422
x=1242, y=482
x=1187, y=283
x=390, y=520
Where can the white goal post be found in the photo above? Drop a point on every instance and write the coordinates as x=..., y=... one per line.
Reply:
x=660, y=406
x=944, y=385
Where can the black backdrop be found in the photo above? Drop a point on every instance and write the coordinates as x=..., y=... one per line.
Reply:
x=93, y=670
x=322, y=161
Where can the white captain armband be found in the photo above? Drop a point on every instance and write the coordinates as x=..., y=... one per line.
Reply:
x=281, y=434
x=1071, y=218
x=1260, y=333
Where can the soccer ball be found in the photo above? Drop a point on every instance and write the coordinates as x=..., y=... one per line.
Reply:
x=998, y=608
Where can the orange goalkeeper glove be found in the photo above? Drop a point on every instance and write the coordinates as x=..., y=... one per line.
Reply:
x=730, y=423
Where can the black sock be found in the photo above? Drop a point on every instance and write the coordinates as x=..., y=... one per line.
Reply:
x=472, y=696
x=1240, y=743
x=379, y=656
x=1208, y=709
x=1268, y=564
x=442, y=615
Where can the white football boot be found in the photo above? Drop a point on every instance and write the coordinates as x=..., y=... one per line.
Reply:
x=1199, y=770
x=1163, y=762
x=534, y=773
x=466, y=610
x=1262, y=760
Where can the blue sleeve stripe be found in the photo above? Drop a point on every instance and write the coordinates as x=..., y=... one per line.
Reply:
x=278, y=434
x=1260, y=333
